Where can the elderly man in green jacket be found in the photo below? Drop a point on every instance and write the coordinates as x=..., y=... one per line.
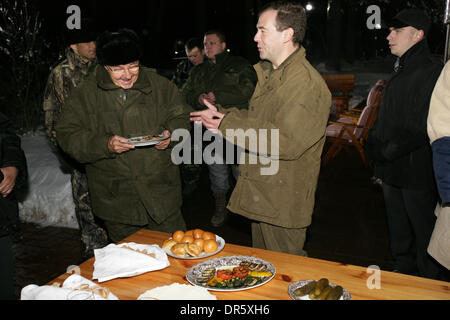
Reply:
x=131, y=187
x=291, y=103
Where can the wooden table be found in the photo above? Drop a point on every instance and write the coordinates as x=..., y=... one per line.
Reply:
x=290, y=268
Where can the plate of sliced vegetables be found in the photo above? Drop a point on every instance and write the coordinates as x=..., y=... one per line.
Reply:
x=232, y=273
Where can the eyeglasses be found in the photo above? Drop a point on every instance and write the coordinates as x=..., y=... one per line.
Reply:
x=120, y=71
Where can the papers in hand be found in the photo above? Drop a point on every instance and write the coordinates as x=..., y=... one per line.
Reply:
x=127, y=260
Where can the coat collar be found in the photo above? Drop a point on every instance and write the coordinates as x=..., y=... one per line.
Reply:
x=415, y=53
x=220, y=58
x=265, y=69
x=75, y=61
x=104, y=81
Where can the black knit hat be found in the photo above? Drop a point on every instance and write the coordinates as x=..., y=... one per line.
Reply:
x=411, y=17
x=86, y=33
x=118, y=47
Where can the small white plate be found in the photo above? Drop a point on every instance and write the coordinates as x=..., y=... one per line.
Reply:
x=147, y=140
x=298, y=284
x=220, y=244
x=177, y=291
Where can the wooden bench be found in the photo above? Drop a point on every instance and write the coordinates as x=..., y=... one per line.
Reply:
x=341, y=86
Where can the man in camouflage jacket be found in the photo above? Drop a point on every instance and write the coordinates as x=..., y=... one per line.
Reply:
x=79, y=63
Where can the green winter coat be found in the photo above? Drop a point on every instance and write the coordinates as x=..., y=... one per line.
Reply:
x=294, y=99
x=125, y=187
x=232, y=80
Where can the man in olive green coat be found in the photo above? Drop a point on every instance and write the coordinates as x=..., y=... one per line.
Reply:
x=228, y=81
x=131, y=187
x=292, y=102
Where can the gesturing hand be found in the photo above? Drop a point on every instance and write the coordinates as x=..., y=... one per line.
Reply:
x=210, y=117
x=210, y=105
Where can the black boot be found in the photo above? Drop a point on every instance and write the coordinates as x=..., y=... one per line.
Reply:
x=220, y=213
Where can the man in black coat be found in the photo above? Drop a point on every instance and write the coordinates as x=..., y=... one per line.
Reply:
x=399, y=148
x=13, y=176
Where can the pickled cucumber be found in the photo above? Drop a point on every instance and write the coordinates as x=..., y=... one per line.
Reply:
x=306, y=289
x=321, y=284
x=324, y=293
x=336, y=293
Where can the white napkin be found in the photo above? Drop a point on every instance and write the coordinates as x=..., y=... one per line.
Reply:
x=127, y=260
x=75, y=287
x=177, y=291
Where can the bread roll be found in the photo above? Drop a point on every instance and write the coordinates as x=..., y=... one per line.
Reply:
x=210, y=246
x=168, y=244
x=179, y=249
x=193, y=250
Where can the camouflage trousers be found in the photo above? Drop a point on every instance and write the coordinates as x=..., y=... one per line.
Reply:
x=92, y=235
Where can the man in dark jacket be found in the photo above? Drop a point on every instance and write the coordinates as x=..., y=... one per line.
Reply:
x=13, y=176
x=399, y=149
x=195, y=55
x=190, y=172
x=131, y=187
x=228, y=81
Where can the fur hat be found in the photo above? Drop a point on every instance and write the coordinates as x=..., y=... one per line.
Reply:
x=118, y=47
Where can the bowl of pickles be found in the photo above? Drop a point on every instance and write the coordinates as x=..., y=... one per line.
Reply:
x=317, y=290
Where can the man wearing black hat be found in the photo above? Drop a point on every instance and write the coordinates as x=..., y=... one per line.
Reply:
x=399, y=148
x=131, y=187
x=80, y=61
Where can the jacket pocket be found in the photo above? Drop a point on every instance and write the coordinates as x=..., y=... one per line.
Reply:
x=262, y=198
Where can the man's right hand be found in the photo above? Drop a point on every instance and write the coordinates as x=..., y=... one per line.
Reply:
x=117, y=144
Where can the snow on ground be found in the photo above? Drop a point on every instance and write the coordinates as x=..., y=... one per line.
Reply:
x=49, y=200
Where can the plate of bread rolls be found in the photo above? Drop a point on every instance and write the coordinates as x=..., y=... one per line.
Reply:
x=193, y=244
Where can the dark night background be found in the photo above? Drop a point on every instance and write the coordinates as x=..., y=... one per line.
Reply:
x=32, y=34
x=336, y=34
